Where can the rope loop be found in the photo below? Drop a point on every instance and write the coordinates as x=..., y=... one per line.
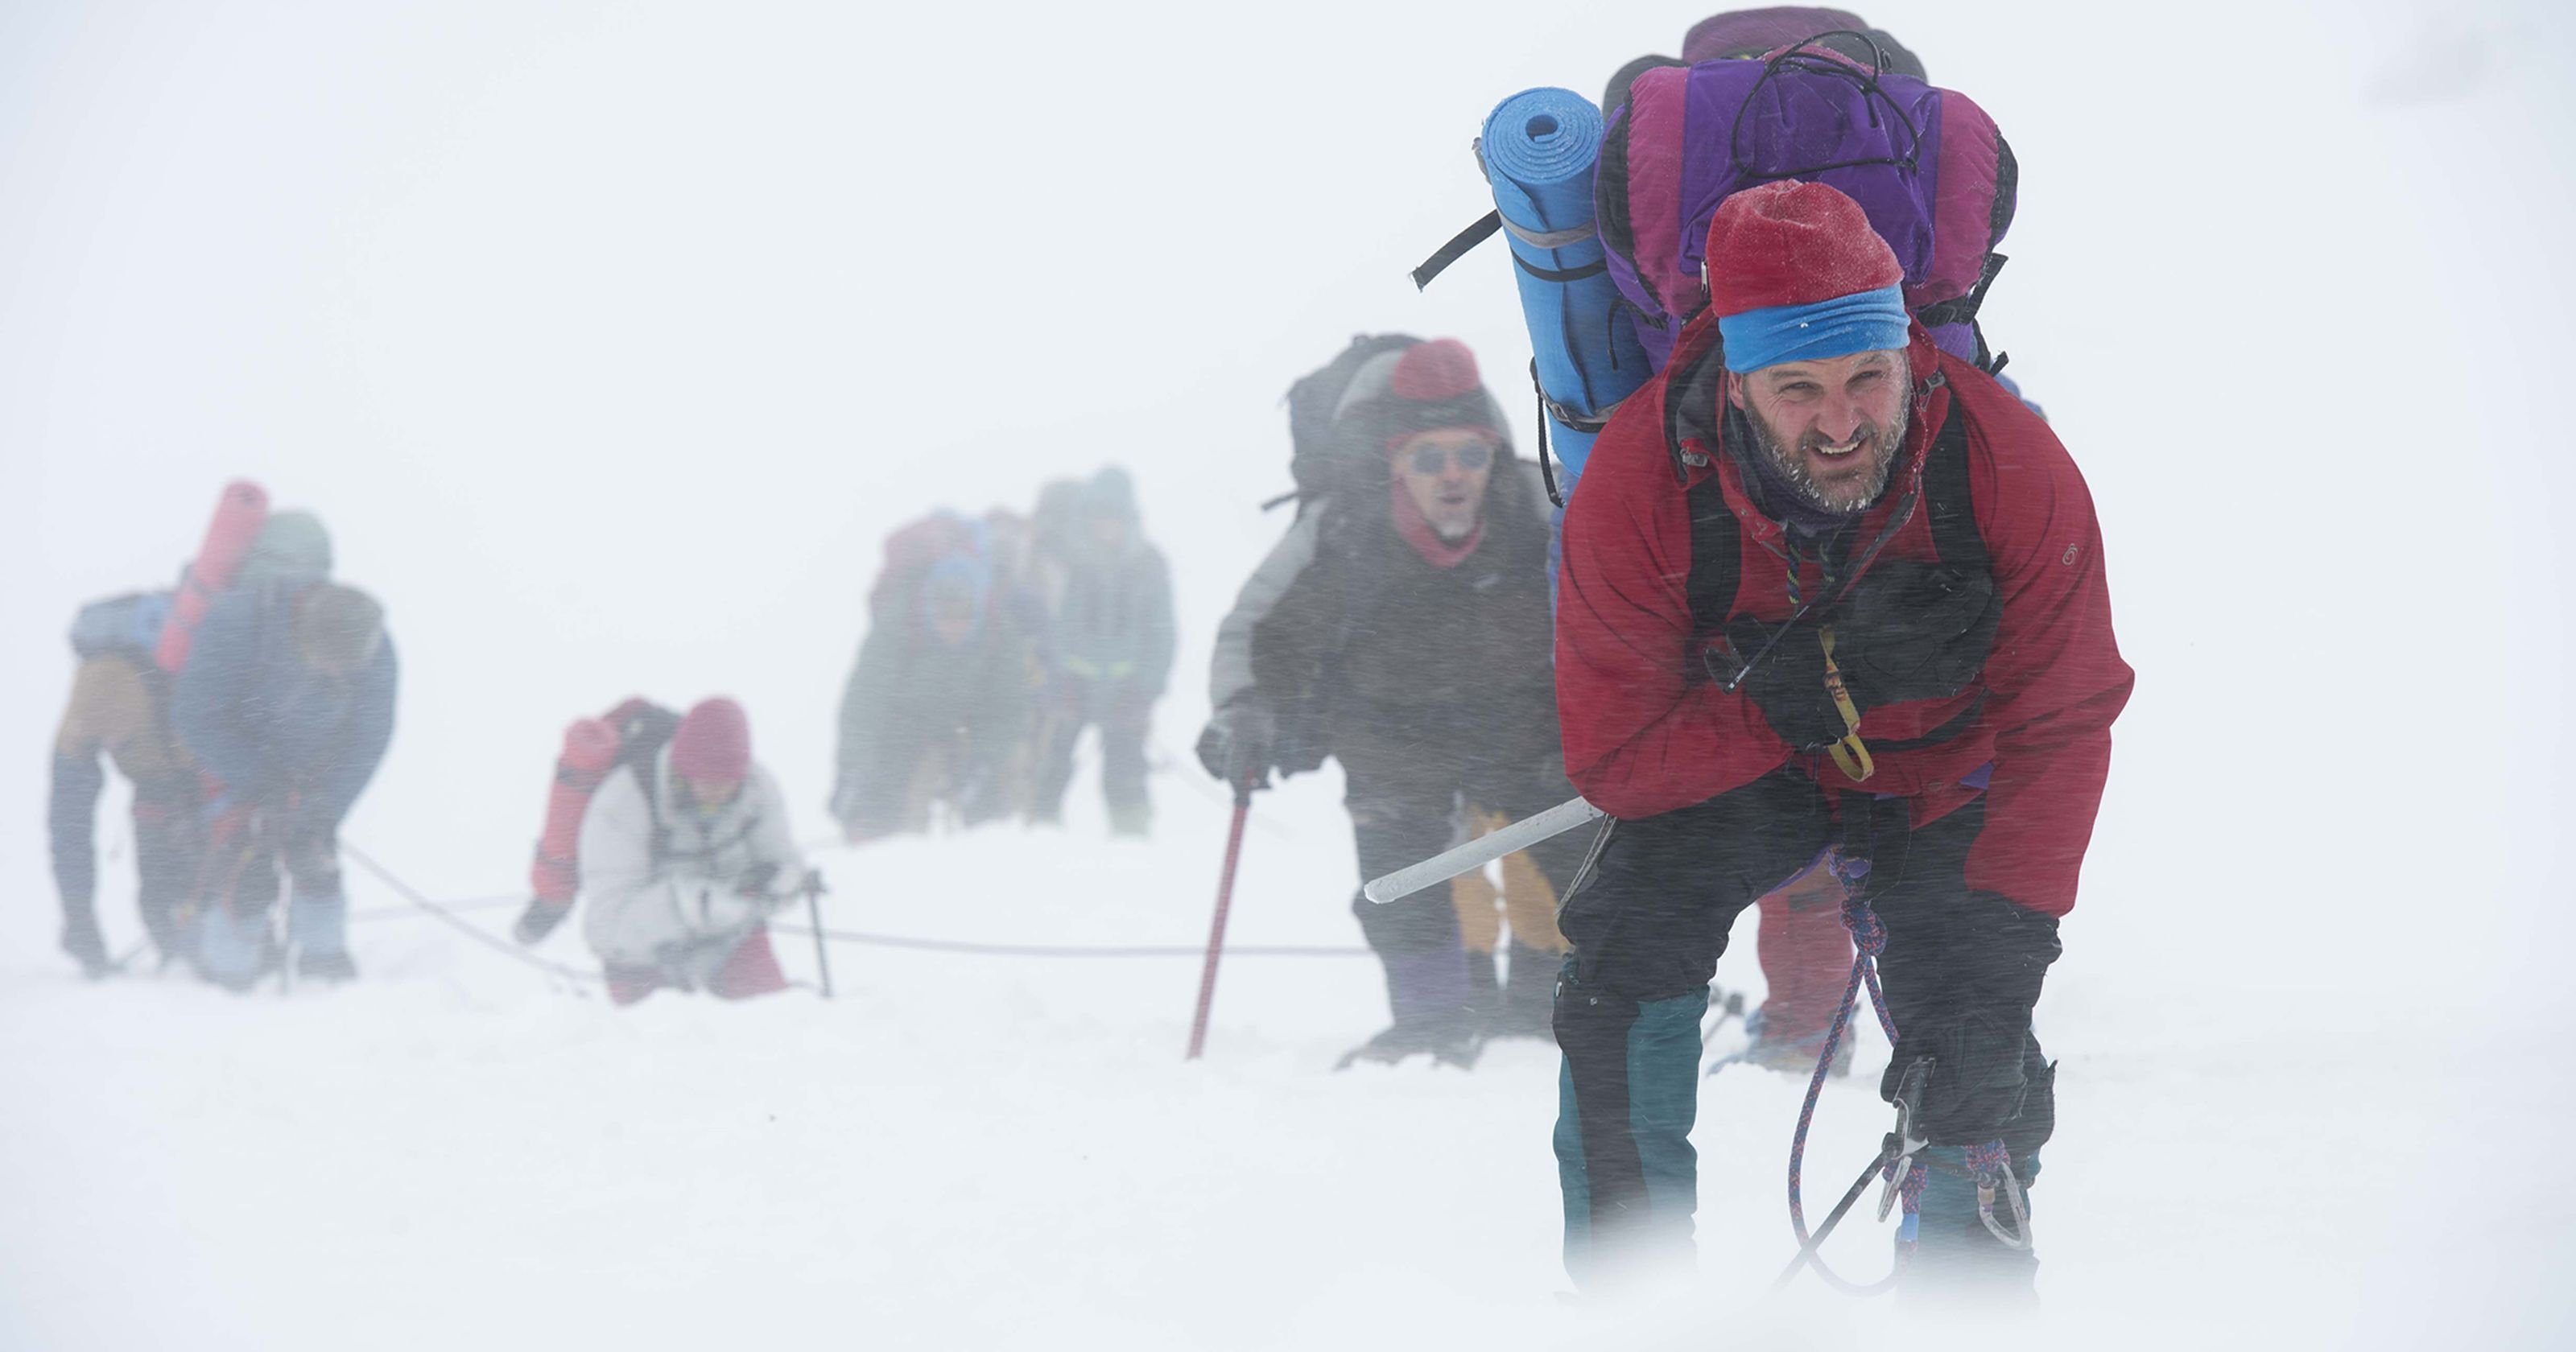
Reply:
x=1868, y=932
x=1869, y=938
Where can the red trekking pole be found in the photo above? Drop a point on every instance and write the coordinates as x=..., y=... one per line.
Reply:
x=1216, y=929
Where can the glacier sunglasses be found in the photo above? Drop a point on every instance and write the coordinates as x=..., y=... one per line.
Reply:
x=1433, y=459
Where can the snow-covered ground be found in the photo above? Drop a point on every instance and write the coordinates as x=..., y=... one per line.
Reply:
x=612, y=339
x=970, y=1151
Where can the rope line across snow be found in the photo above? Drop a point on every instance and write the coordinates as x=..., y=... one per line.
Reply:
x=1075, y=950
x=504, y=947
x=375, y=913
x=446, y=914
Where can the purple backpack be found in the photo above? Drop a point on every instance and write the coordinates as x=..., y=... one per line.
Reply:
x=1926, y=164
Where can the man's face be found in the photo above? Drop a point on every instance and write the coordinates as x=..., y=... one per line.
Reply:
x=1444, y=471
x=711, y=795
x=1831, y=428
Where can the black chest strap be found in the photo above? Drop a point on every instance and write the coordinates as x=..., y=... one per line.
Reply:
x=1947, y=500
x=1716, y=559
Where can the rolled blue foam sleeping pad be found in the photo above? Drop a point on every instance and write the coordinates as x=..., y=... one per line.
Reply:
x=1539, y=148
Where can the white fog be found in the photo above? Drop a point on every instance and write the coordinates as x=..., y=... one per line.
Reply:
x=612, y=341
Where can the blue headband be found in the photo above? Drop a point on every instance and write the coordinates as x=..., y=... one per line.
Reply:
x=1869, y=321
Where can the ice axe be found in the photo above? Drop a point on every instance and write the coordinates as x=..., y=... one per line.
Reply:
x=1483, y=850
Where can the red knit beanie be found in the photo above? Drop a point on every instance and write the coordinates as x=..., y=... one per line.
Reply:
x=1795, y=273
x=1791, y=243
x=1440, y=369
x=1435, y=385
x=713, y=744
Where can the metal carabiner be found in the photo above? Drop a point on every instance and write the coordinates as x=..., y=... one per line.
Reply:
x=1904, y=1142
x=2018, y=1238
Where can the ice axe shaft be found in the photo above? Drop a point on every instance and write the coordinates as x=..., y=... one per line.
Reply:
x=1807, y=1251
x=1483, y=850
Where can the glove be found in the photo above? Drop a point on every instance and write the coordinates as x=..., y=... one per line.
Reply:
x=81, y=940
x=1912, y=631
x=755, y=882
x=1978, y=1032
x=1237, y=743
x=1787, y=683
x=538, y=921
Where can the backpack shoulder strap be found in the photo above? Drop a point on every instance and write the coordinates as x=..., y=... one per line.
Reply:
x=1717, y=560
x=1946, y=496
x=1717, y=564
x=647, y=730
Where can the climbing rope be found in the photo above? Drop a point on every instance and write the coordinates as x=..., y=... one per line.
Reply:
x=1075, y=950
x=1869, y=939
x=406, y=912
x=445, y=913
x=1987, y=1166
x=572, y=979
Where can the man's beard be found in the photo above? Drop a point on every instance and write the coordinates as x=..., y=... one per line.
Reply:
x=1789, y=465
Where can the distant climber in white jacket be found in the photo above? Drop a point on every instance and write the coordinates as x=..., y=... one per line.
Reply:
x=680, y=874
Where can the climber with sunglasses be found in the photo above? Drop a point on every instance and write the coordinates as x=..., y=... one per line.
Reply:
x=1401, y=627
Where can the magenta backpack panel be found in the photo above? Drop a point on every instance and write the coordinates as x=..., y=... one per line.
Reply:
x=1925, y=164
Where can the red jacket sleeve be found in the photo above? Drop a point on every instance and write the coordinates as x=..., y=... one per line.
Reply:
x=1645, y=732
x=2055, y=679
